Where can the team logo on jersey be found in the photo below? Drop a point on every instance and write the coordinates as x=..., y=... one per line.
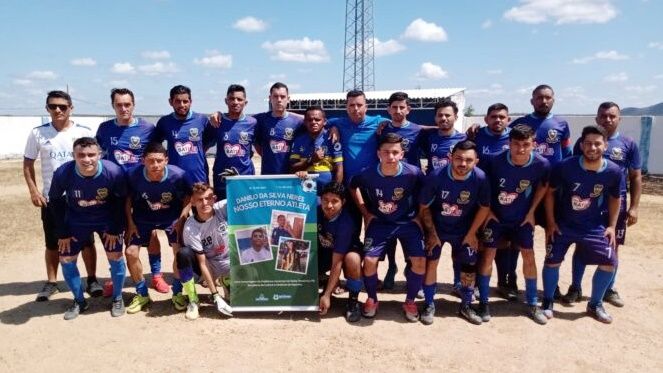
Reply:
x=194, y=134
x=506, y=198
x=134, y=142
x=617, y=154
x=598, y=189
x=580, y=204
x=166, y=197
x=232, y=151
x=326, y=239
x=523, y=185
x=222, y=228
x=278, y=146
x=487, y=235
x=406, y=144
x=398, y=194
x=552, y=137
x=185, y=148
x=243, y=137
x=337, y=146
x=102, y=193
x=463, y=197
x=288, y=133
x=449, y=209
x=387, y=207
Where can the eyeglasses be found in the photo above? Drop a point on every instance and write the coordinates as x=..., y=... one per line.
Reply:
x=57, y=106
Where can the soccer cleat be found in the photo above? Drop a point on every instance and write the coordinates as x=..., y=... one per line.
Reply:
x=535, y=313
x=108, y=288
x=47, y=291
x=353, y=311
x=573, y=295
x=191, y=311
x=612, y=296
x=370, y=308
x=547, y=308
x=222, y=306
x=468, y=313
x=427, y=316
x=508, y=292
x=599, y=313
x=483, y=312
x=94, y=289
x=159, y=284
x=179, y=301
x=138, y=303
x=76, y=309
x=410, y=310
x=389, y=278
x=117, y=307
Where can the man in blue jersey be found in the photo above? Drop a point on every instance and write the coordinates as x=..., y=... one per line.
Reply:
x=339, y=249
x=123, y=141
x=158, y=193
x=588, y=184
x=454, y=203
x=437, y=145
x=87, y=196
x=282, y=229
x=623, y=151
x=519, y=179
x=234, y=140
x=52, y=144
x=386, y=195
x=398, y=109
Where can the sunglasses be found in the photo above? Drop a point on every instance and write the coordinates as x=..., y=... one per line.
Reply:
x=57, y=106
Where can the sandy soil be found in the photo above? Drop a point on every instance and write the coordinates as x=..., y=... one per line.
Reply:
x=36, y=338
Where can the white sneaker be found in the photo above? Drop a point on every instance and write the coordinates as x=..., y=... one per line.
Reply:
x=222, y=306
x=191, y=311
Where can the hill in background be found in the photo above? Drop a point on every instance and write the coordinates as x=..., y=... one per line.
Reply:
x=654, y=110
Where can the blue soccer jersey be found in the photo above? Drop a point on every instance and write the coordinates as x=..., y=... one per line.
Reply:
x=339, y=234
x=489, y=143
x=553, y=137
x=437, y=148
x=304, y=146
x=513, y=187
x=234, y=145
x=188, y=140
x=90, y=201
x=584, y=193
x=411, y=134
x=275, y=136
x=359, y=142
x=392, y=199
x=453, y=203
x=157, y=202
x=124, y=145
x=277, y=233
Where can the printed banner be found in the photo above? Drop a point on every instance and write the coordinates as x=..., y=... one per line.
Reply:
x=273, y=243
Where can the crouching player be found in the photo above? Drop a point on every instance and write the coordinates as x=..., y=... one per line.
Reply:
x=386, y=195
x=86, y=196
x=454, y=203
x=205, y=250
x=587, y=182
x=158, y=193
x=519, y=178
x=338, y=249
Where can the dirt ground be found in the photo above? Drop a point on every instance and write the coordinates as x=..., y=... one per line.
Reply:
x=35, y=338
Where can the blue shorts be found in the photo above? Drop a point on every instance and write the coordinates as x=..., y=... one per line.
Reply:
x=496, y=232
x=145, y=233
x=84, y=237
x=592, y=247
x=460, y=253
x=620, y=229
x=379, y=234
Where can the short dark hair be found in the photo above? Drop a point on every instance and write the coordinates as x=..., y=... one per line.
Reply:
x=334, y=188
x=236, y=88
x=354, y=93
x=179, y=90
x=155, y=147
x=315, y=108
x=121, y=91
x=278, y=85
x=496, y=107
x=200, y=187
x=59, y=94
x=446, y=102
x=541, y=87
x=593, y=130
x=390, y=138
x=464, y=145
x=607, y=105
x=399, y=96
x=84, y=142
x=521, y=132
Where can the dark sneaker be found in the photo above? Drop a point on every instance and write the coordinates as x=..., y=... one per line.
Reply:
x=353, y=311
x=484, y=312
x=573, y=295
x=508, y=293
x=411, y=311
x=47, y=291
x=95, y=289
x=469, y=314
x=455, y=291
x=427, y=315
x=370, y=308
x=558, y=294
x=76, y=309
x=599, y=313
x=117, y=307
x=547, y=308
x=390, y=278
x=612, y=296
x=535, y=313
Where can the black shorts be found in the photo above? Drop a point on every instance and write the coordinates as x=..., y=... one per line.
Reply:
x=48, y=224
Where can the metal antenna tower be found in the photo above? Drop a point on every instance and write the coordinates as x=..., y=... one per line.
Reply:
x=358, y=65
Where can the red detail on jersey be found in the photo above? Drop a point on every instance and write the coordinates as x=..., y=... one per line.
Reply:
x=449, y=209
x=125, y=156
x=279, y=146
x=506, y=198
x=387, y=208
x=580, y=204
x=185, y=148
x=233, y=150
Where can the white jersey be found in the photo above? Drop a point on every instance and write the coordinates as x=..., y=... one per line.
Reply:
x=53, y=148
x=251, y=256
x=211, y=238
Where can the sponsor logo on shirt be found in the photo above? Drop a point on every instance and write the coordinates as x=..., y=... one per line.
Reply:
x=439, y=162
x=506, y=198
x=449, y=209
x=278, y=146
x=580, y=204
x=387, y=207
x=233, y=150
x=185, y=148
x=125, y=157
x=93, y=202
x=544, y=149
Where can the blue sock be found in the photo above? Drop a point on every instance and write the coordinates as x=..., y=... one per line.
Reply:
x=353, y=285
x=371, y=285
x=73, y=279
x=466, y=295
x=456, y=267
x=429, y=292
x=118, y=271
x=177, y=286
x=155, y=263
x=530, y=291
x=501, y=265
x=413, y=283
x=483, y=282
x=141, y=288
x=614, y=277
x=577, y=271
x=600, y=283
x=186, y=274
x=550, y=279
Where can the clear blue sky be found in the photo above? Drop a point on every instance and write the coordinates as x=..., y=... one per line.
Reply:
x=588, y=50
